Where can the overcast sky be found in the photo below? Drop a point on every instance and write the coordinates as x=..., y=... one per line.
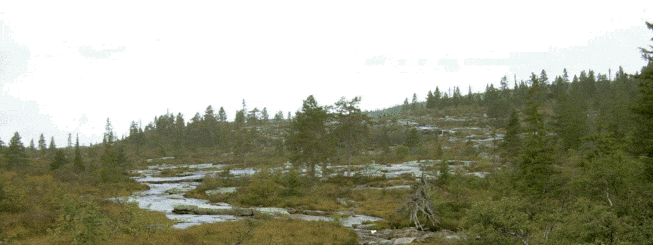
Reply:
x=65, y=67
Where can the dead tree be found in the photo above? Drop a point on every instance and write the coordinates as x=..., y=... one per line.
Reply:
x=418, y=204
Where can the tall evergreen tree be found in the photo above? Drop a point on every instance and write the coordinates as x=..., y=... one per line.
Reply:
x=405, y=107
x=437, y=95
x=430, y=100
x=53, y=146
x=308, y=137
x=222, y=115
x=570, y=121
x=512, y=143
x=278, y=117
x=78, y=163
x=534, y=169
x=113, y=158
x=32, y=147
x=15, y=153
x=647, y=54
x=42, y=145
x=351, y=129
x=265, y=117
x=413, y=104
x=59, y=160
x=70, y=140
x=643, y=107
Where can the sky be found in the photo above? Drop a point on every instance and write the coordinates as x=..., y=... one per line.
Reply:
x=67, y=66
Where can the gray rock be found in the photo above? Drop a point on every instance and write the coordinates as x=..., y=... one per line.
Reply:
x=221, y=191
x=404, y=240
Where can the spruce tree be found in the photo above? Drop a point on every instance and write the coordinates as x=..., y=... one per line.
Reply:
x=265, y=117
x=405, y=107
x=70, y=141
x=78, y=164
x=222, y=115
x=308, y=137
x=413, y=104
x=430, y=100
x=42, y=144
x=534, y=169
x=512, y=143
x=643, y=107
x=32, y=147
x=15, y=153
x=53, y=146
x=59, y=160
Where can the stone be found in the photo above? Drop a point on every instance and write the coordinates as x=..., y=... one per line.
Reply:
x=404, y=240
x=221, y=191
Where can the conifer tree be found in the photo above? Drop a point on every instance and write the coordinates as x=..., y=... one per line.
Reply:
x=430, y=100
x=647, y=54
x=70, y=140
x=265, y=117
x=42, y=145
x=222, y=115
x=437, y=95
x=308, y=138
x=643, y=107
x=512, y=143
x=278, y=117
x=534, y=169
x=53, y=146
x=406, y=106
x=78, y=164
x=32, y=147
x=59, y=160
x=413, y=104
x=15, y=153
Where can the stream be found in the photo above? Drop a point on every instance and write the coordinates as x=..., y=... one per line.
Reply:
x=166, y=193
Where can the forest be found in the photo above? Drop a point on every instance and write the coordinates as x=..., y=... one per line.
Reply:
x=562, y=160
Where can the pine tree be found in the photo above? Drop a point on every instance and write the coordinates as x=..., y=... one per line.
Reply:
x=406, y=106
x=570, y=121
x=59, y=160
x=512, y=143
x=53, y=146
x=265, y=117
x=437, y=95
x=278, y=117
x=222, y=115
x=113, y=158
x=70, y=140
x=352, y=129
x=42, y=145
x=647, y=54
x=32, y=147
x=15, y=153
x=78, y=164
x=430, y=100
x=413, y=104
x=240, y=118
x=308, y=138
x=643, y=107
x=534, y=169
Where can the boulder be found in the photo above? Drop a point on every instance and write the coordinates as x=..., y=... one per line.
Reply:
x=404, y=240
x=222, y=191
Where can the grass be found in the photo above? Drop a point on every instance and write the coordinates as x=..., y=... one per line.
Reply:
x=270, y=231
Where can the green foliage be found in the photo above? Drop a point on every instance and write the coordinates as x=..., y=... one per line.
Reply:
x=308, y=139
x=402, y=151
x=444, y=177
x=643, y=109
x=15, y=155
x=512, y=143
x=78, y=163
x=59, y=160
